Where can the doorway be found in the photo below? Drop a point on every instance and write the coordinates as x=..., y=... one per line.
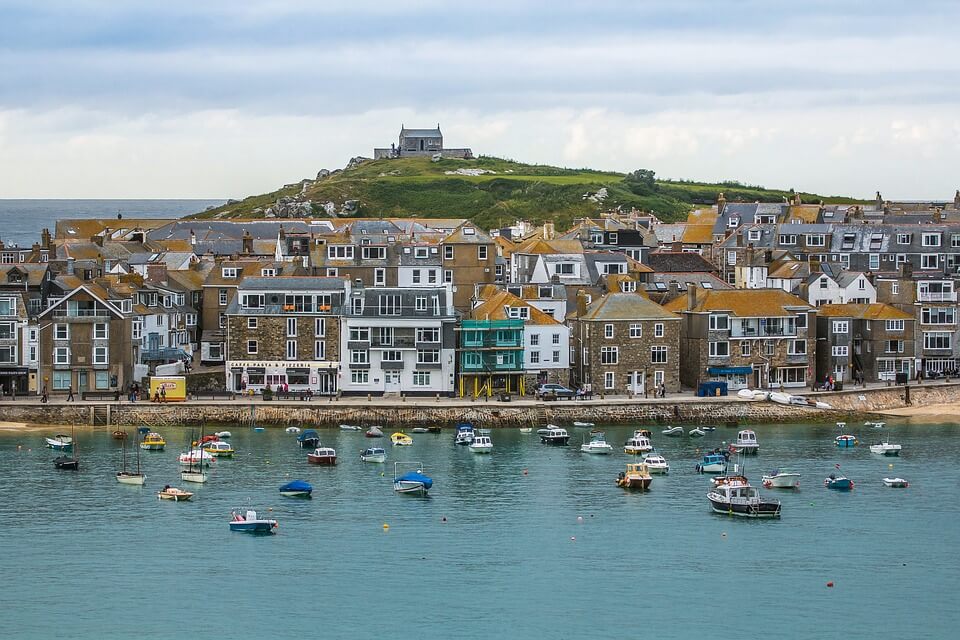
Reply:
x=757, y=377
x=82, y=380
x=391, y=381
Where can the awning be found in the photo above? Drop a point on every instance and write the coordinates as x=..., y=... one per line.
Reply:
x=721, y=371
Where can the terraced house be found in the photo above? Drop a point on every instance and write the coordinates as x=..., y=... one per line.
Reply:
x=874, y=342
x=757, y=338
x=284, y=331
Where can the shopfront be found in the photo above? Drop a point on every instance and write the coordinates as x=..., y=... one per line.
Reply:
x=318, y=377
x=735, y=377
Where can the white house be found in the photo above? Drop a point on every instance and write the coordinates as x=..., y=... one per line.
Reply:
x=847, y=287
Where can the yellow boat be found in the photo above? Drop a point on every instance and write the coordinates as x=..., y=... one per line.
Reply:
x=219, y=449
x=153, y=441
x=401, y=439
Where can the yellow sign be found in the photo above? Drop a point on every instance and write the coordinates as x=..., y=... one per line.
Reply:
x=174, y=388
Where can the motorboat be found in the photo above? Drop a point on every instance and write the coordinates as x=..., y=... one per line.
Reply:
x=838, y=482
x=420, y=430
x=373, y=454
x=374, y=432
x=297, y=489
x=875, y=425
x=579, y=424
x=248, y=522
x=636, y=476
x=555, y=436
x=400, y=439
x=350, y=427
x=747, y=442
x=778, y=479
x=292, y=429
x=673, y=432
x=638, y=444
x=322, y=455
x=309, y=439
x=899, y=483
x=435, y=429
x=712, y=462
x=656, y=463
x=846, y=441
x=598, y=444
x=742, y=500
x=196, y=457
x=464, y=434
x=173, y=493
x=59, y=442
x=412, y=482
x=481, y=443
x=224, y=435
x=886, y=449
x=119, y=434
x=153, y=441
x=732, y=479
x=780, y=398
x=259, y=429
x=696, y=432
x=526, y=429
x=544, y=430
x=708, y=428
x=207, y=439
x=219, y=449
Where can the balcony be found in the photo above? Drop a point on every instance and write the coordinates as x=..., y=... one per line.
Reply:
x=763, y=328
x=397, y=342
x=81, y=313
x=937, y=296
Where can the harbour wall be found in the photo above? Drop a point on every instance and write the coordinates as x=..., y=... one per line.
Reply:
x=847, y=405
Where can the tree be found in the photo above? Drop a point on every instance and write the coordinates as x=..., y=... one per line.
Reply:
x=642, y=181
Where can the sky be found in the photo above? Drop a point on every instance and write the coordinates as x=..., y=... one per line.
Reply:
x=216, y=99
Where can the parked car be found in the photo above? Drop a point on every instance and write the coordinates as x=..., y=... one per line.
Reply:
x=554, y=391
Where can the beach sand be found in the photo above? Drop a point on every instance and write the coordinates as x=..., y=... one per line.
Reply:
x=947, y=412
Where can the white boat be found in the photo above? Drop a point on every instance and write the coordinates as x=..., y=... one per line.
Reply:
x=555, y=436
x=292, y=429
x=886, y=449
x=747, y=442
x=673, y=432
x=753, y=394
x=822, y=405
x=526, y=429
x=196, y=457
x=802, y=401
x=899, y=483
x=224, y=435
x=420, y=430
x=173, y=493
x=780, y=398
x=542, y=431
x=598, y=444
x=583, y=424
x=875, y=425
x=465, y=433
x=193, y=475
x=741, y=499
x=696, y=432
x=125, y=476
x=373, y=454
x=219, y=449
x=350, y=427
x=781, y=480
x=59, y=442
x=656, y=463
x=481, y=444
x=638, y=444
x=414, y=482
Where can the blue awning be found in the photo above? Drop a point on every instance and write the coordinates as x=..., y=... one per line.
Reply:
x=720, y=371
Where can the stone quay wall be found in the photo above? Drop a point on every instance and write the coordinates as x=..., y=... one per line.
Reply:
x=847, y=405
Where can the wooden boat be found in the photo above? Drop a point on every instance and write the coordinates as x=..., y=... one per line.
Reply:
x=173, y=493
x=638, y=444
x=153, y=441
x=733, y=479
x=401, y=439
x=119, y=434
x=248, y=522
x=297, y=489
x=636, y=476
x=69, y=462
x=322, y=455
x=899, y=483
x=742, y=500
x=125, y=476
x=412, y=482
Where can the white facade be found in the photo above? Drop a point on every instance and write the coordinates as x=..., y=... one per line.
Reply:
x=827, y=290
x=420, y=276
x=546, y=347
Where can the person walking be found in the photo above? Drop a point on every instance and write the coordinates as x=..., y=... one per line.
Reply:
x=163, y=394
x=43, y=394
x=70, y=397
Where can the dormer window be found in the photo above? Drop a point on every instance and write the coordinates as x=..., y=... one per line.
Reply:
x=229, y=272
x=469, y=231
x=268, y=273
x=733, y=223
x=521, y=313
x=753, y=235
x=421, y=252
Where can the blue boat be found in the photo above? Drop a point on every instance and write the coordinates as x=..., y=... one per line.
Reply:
x=839, y=483
x=415, y=482
x=712, y=463
x=297, y=489
x=309, y=439
x=250, y=523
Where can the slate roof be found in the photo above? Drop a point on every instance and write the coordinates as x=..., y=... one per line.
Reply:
x=676, y=262
x=626, y=306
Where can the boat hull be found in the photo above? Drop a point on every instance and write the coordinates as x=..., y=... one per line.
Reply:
x=188, y=476
x=410, y=488
x=481, y=449
x=309, y=443
x=597, y=451
x=782, y=481
x=658, y=469
x=898, y=483
x=716, y=467
x=555, y=440
x=635, y=483
x=260, y=527
x=379, y=457
x=885, y=451
x=297, y=494
x=176, y=496
x=131, y=478
x=152, y=447
x=67, y=464
x=747, y=449
x=327, y=460
x=840, y=484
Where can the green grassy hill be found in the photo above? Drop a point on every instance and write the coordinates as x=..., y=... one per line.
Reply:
x=507, y=191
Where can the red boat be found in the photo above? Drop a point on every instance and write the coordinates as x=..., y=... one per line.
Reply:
x=322, y=455
x=210, y=438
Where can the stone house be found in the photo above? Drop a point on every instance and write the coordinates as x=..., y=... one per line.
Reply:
x=624, y=343
x=420, y=142
x=285, y=330
x=875, y=340
x=757, y=338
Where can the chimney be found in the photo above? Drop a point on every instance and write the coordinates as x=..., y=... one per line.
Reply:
x=956, y=200
x=768, y=256
x=938, y=215
x=248, y=241
x=97, y=240
x=193, y=238
x=70, y=266
x=581, y=303
x=45, y=239
x=739, y=233
x=548, y=231
x=906, y=270
x=749, y=258
x=677, y=246
x=100, y=265
x=878, y=201
x=691, y=297
x=814, y=265
x=721, y=204
x=157, y=272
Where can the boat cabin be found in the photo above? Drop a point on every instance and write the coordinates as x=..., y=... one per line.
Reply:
x=746, y=437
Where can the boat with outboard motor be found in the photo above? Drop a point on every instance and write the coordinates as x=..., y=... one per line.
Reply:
x=746, y=442
x=59, y=442
x=248, y=522
x=400, y=439
x=886, y=448
x=898, y=483
x=323, y=455
x=636, y=476
x=837, y=481
x=598, y=444
x=481, y=443
x=656, y=463
x=173, y=493
x=373, y=454
x=412, y=482
x=779, y=479
x=153, y=441
x=464, y=434
x=712, y=462
x=673, y=432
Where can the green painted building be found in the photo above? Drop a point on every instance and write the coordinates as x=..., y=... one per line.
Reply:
x=490, y=357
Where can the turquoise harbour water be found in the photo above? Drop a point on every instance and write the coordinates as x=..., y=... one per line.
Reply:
x=85, y=557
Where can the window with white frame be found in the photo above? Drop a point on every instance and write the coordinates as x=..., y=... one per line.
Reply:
x=359, y=356
x=448, y=252
x=930, y=239
x=841, y=326
x=361, y=376
x=904, y=238
x=252, y=347
x=955, y=241
x=937, y=339
x=428, y=334
x=291, y=327
x=815, y=240
x=421, y=252
x=719, y=349
x=482, y=252
x=628, y=286
x=61, y=331
x=894, y=287
x=420, y=303
x=252, y=323
x=895, y=325
x=556, y=338
x=522, y=313
x=229, y=272
x=929, y=261
x=373, y=253
x=391, y=356
x=609, y=380
x=797, y=348
x=556, y=356
x=658, y=330
x=534, y=357
x=719, y=322
x=564, y=268
x=319, y=350
x=636, y=330
x=608, y=331
x=421, y=378
x=874, y=261
x=428, y=356
x=100, y=355
x=769, y=347
x=731, y=258
x=894, y=346
x=447, y=275
x=100, y=331
x=938, y=315
x=658, y=354
x=753, y=235
x=61, y=355
x=609, y=355
x=268, y=273
x=841, y=351
x=534, y=339
x=62, y=380
x=744, y=348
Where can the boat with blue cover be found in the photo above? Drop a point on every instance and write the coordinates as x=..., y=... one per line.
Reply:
x=413, y=482
x=248, y=522
x=712, y=462
x=309, y=439
x=297, y=489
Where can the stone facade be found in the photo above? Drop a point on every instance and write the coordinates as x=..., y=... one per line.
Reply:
x=618, y=358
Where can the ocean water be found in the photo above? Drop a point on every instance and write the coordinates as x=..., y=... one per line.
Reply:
x=22, y=220
x=88, y=558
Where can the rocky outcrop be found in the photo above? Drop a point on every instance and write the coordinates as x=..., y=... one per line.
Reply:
x=289, y=207
x=355, y=162
x=323, y=173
